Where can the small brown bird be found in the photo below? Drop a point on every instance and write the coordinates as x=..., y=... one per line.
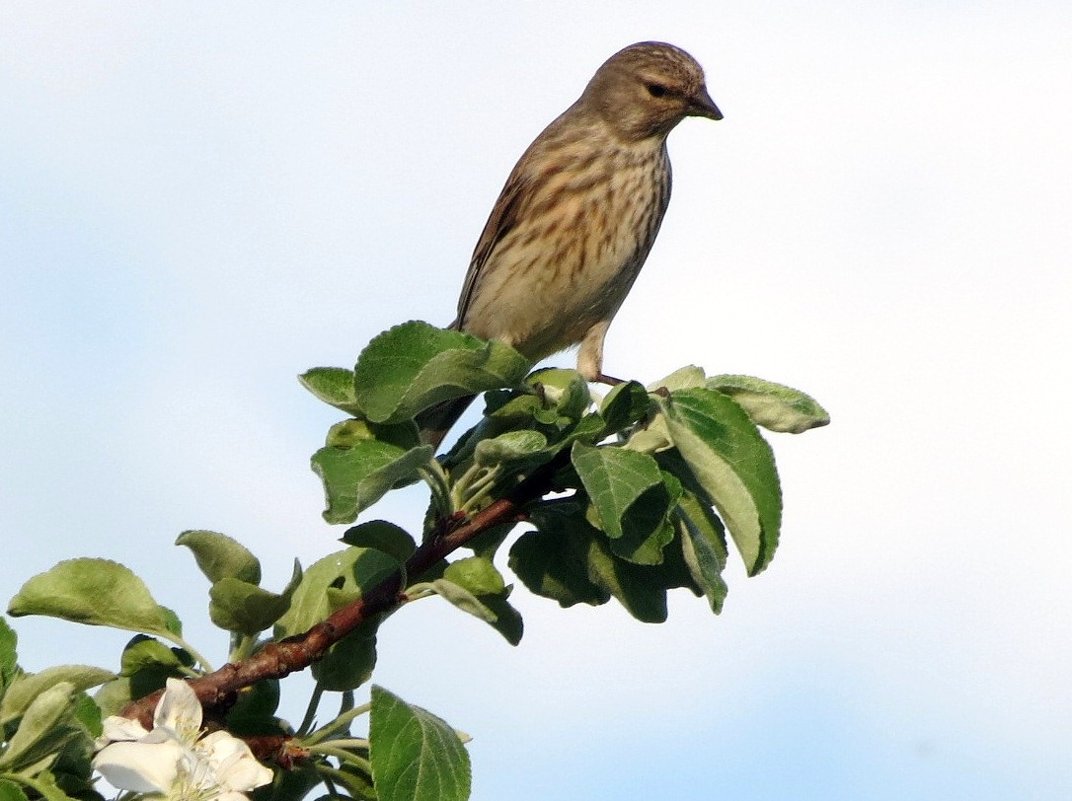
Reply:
x=578, y=215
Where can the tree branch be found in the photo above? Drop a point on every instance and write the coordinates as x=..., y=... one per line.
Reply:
x=278, y=659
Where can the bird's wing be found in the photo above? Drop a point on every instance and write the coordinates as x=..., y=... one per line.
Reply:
x=504, y=217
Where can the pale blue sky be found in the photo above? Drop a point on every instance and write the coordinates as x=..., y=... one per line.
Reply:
x=198, y=202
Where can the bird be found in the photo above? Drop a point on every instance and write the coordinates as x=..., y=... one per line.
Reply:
x=578, y=215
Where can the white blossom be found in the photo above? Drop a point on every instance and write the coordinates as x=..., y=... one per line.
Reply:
x=174, y=759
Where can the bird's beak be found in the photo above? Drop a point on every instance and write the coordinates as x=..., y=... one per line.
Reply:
x=701, y=105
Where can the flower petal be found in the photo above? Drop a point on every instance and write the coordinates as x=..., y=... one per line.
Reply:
x=140, y=767
x=235, y=766
x=117, y=729
x=231, y=795
x=179, y=710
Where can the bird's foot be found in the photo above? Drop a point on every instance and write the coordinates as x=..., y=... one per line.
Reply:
x=609, y=380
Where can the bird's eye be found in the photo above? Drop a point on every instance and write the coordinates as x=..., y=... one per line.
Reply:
x=657, y=90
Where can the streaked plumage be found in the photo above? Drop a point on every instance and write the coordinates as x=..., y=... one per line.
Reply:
x=580, y=211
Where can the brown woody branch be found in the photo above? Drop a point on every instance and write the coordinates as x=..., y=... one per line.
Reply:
x=278, y=659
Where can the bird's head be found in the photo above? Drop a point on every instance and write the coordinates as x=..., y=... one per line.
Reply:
x=648, y=88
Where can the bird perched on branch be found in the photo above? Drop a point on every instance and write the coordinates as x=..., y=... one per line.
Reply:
x=578, y=215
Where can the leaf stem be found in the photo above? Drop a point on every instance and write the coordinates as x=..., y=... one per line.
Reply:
x=342, y=754
x=341, y=723
x=475, y=485
x=420, y=590
x=310, y=710
x=438, y=483
x=243, y=647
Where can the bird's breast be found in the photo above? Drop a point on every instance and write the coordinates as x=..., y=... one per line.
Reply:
x=577, y=245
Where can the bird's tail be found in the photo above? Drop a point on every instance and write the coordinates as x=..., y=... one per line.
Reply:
x=437, y=420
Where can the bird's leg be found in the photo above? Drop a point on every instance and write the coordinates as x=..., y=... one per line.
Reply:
x=590, y=355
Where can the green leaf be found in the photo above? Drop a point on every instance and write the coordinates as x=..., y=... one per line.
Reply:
x=357, y=476
x=349, y=662
x=733, y=464
x=636, y=587
x=146, y=653
x=88, y=715
x=688, y=377
x=463, y=599
x=45, y=784
x=646, y=529
x=534, y=403
x=589, y=429
x=494, y=610
x=146, y=666
x=330, y=582
x=8, y=653
x=415, y=755
x=520, y=414
x=652, y=438
x=174, y=625
x=246, y=608
x=96, y=592
x=507, y=620
x=115, y=695
x=254, y=709
x=703, y=545
x=415, y=365
x=774, y=406
x=509, y=447
x=568, y=560
x=9, y=791
x=515, y=409
x=334, y=386
x=298, y=781
x=475, y=586
x=71, y=770
x=28, y=686
x=614, y=478
x=401, y=435
x=552, y=564
x=624, y=405
x=348, y=432
x=476, y=574
x=383, y=536
x=41, y=730
x=566, y=390
x=354, y=778
x=221, y=557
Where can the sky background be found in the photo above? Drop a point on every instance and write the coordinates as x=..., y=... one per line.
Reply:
x=200, y=201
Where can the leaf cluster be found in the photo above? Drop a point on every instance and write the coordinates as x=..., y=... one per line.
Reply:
x=47, y=726
x=624, y=496
x=647, y=482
